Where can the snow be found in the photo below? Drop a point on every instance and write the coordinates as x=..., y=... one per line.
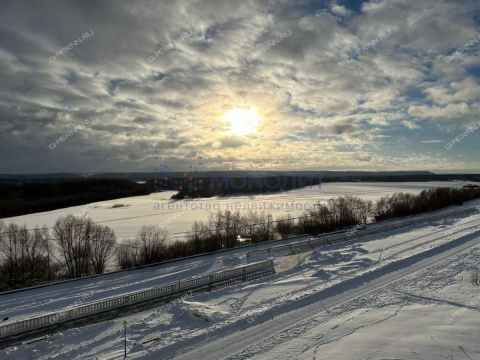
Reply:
x=397, y=331
x=404, y=294
x=342, y=258
x=179, y=216
x=409, y=319
x=203, y=311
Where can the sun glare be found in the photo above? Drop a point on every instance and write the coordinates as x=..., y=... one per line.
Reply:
x=242, y=121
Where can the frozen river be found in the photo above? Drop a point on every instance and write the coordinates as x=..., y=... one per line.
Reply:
x=127, y=215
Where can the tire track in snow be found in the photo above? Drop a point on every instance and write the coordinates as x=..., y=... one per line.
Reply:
x=237, y=342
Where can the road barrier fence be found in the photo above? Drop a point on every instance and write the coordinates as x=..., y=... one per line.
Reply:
x=166, y=292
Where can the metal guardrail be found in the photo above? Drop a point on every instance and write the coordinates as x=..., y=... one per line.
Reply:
x=166, y=292
x=306, y=245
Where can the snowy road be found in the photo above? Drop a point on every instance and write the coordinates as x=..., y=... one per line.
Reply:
x=57, y=297
x=277, y=330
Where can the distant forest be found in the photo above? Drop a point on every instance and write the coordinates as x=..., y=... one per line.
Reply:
x=223, y=185
x=25, y=194
x=35, y=196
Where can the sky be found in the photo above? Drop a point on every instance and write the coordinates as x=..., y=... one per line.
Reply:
x=105, y=86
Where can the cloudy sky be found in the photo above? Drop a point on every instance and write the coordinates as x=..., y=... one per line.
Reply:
x=90, y=86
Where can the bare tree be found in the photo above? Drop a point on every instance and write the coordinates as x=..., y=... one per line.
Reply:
x=73, y=237
x=259, y=227
x=475, y=277
x=51, y=265
x=102, y=240
x=23, y=256
x=36, y=253
x=285, y=226
x=152, y=243
x=198, y=237
x=10, y=253
x=128, y=255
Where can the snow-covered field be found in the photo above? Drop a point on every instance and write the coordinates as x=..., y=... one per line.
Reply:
x=178, y=216
x=401, y=295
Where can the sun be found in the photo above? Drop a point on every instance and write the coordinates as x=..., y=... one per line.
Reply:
x=242, y=121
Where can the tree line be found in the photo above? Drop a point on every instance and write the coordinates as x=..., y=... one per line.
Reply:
x=226, y=229
x=223, y=230
x=29, y=196
x=76, y=246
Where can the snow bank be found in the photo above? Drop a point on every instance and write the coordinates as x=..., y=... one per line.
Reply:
x=203, y=311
